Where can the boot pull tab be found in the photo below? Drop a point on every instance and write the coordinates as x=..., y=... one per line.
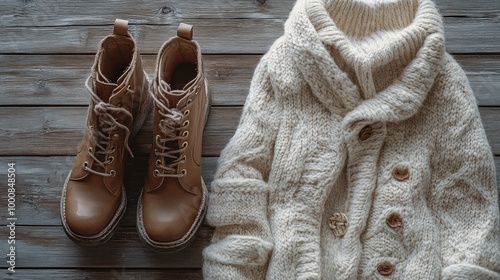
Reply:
x=121, y=27
x=185, y=31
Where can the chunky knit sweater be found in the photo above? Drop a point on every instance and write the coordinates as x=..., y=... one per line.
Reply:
x=360, y=154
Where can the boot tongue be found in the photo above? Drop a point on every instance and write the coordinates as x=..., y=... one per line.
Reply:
x=104, y=89
x=108, y=91
x=171, y=97
x=119, y=89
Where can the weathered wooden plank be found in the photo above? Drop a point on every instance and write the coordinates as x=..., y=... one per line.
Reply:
x=219, y=36
x=43, y=176
x=94, y=12
x=58, y=130
x=59, y=79
x=40, y=180
x=49, y=247
x=466, y=8
x=468, y=35
x=39, y=183
x=483, y=73
x=49, y=130
x=120, y=273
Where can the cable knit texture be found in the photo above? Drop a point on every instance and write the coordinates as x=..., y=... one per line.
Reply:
x=357, y=109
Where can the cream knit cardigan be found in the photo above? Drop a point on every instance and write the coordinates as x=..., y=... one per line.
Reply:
x=354, y=90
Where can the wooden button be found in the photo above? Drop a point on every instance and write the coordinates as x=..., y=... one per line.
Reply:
x=385, y=268
x=365, y=133
x=401, y=173
x=338, y=224
x=394, y=220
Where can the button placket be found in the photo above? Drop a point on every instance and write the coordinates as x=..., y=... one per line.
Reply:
x=364, y=140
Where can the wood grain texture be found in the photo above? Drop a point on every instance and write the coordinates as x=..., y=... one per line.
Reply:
x=58, y=130
x=40, y=180
x=49, y=247
x=483, y=73
x=120, y=273
x=466, y=8
x=47, y=80
x=56, y=80
x=94, y=12
x=219, y=36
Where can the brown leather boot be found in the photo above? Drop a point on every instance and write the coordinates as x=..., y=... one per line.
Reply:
x=173, y=201
x=93, y=198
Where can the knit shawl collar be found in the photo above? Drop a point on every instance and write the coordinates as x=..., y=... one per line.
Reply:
x=310, y=30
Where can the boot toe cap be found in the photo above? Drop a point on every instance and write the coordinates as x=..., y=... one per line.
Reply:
x=167, y=221
x=166, y=226
x=87, y=214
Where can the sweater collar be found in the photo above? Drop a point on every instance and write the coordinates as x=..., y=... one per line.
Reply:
x=364, y=36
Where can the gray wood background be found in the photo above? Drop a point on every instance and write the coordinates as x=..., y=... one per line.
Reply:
x=46, y=51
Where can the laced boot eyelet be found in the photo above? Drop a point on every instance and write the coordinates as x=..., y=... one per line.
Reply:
x=186, y=113
x=184, y=159
x=158, y=162
x=185, y=144
x=157, y=138
x=185, y=134
x=112, y=173
x=156, y=173
x=184, y=172
x=186, y=123
x=189, y=101
x=85, y=165
x=111, y=159
x=113, y=149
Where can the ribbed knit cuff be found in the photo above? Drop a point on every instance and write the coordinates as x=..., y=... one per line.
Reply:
x=238, y=202
x=242, y=247
x=237, y=257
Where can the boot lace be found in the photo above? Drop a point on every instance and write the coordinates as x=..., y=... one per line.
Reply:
x=173, y=121
x=101, y=136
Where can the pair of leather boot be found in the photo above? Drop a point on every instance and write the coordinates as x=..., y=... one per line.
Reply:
x=172, y=203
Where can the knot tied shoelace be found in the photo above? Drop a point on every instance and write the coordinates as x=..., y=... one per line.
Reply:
x=173, y=126
x=101, y=136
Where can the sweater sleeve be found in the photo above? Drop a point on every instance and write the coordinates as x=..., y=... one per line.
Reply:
x=242, y=241
x=464, y=195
